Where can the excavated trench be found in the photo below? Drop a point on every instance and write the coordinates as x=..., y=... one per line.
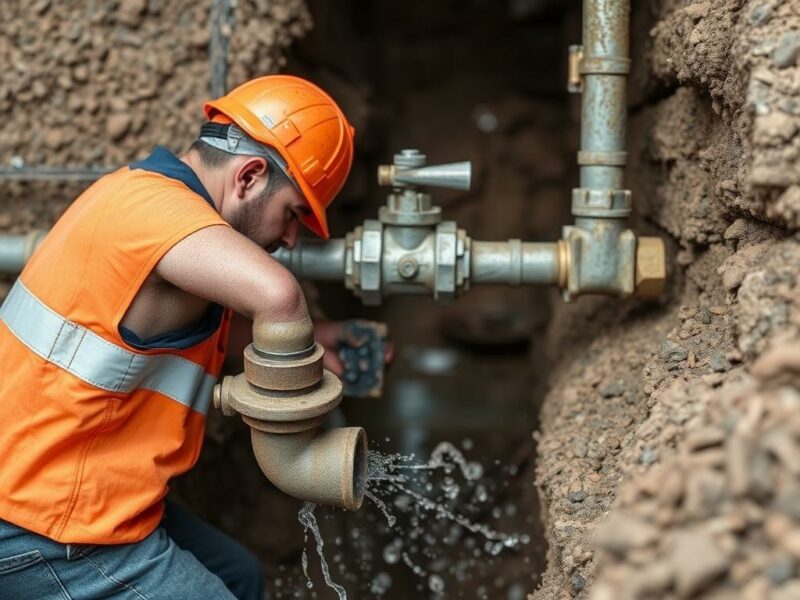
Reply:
x=676, y=421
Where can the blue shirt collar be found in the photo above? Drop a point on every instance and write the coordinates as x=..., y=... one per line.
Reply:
x=165, y=163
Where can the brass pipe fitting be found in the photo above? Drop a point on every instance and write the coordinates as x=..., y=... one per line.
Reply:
x=651, y=267
x=562, y=250
x=284, y=396
x=323, y=466
x=286, y=339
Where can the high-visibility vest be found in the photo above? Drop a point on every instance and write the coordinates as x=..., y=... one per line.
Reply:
x=91, y=427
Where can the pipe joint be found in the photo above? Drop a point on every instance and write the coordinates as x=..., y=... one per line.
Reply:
x=284, y=395
x=602, y=203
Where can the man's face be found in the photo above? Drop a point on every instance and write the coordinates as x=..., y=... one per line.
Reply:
x=269, y=217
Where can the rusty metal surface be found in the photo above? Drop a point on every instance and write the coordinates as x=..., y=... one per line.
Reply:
x=284, y=396
x=237, y=394
x=284, y=375
x=288, y=339
x=324, y=466
x=284, y=426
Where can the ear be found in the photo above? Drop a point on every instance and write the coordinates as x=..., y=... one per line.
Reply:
x=248, y=173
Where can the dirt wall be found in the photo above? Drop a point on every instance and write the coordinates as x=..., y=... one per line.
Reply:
x=88, y=83
x=670, y=447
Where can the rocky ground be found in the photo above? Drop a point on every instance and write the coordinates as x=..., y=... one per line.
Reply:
x=669, y=450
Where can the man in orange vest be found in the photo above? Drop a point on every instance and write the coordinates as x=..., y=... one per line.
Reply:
x=115, y=332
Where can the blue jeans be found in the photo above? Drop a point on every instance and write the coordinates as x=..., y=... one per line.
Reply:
x=183, y=559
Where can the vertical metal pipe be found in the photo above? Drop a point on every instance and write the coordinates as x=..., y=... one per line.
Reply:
x=221, y=22
x=605, y=66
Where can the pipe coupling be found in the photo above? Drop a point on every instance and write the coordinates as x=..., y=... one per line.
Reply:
x=284, y=395
x=651, y=267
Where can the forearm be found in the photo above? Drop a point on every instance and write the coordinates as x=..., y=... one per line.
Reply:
x=223, y=266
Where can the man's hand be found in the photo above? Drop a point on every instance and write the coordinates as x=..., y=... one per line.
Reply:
x=328, y=334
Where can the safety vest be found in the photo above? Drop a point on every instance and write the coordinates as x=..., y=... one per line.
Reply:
x=92, y=428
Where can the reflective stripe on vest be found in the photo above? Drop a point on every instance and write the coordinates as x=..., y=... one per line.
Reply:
x=96, y=361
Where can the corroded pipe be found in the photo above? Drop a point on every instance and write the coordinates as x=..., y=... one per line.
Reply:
x=323, y=466
x=284, y=395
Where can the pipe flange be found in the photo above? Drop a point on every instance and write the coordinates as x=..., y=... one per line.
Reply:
x=284, y=426
x=368, y=254
x=410, y=158
x=411, y=208
x=446, y=258
x=273, y=405
x=604, y=203
x=275, y=374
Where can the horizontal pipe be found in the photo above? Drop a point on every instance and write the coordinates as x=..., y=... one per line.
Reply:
x=46, y=173
x=320, y=260
x=514, y=262
x=16, y=249
x=323, y=466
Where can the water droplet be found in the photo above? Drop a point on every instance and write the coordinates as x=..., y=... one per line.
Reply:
x=381, y=583
x=436, y=584
x=391, y=553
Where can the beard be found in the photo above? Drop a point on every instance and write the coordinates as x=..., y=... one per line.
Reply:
x=247, y=221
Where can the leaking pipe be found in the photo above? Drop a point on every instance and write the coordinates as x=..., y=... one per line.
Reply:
x=15, y=250
x=323, y=466
x=284, y=396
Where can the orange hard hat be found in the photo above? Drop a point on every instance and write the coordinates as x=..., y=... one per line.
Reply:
x=304, y=125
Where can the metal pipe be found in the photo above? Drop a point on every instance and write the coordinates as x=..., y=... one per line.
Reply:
x=284, y=396
x=315, y=259
x=16, y=249
x=221, y=24
x=514, y=262
x=324, y=466
x=604, y=66
x=46, y=173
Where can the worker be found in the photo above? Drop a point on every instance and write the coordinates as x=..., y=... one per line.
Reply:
x=116, y=330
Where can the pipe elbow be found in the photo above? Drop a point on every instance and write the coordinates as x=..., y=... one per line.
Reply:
x=283, y=338
x=322, y=466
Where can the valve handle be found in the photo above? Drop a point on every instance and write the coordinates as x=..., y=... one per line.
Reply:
x=409, y=171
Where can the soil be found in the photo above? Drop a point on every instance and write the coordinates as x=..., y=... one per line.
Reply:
x=668, y=450
x=100, y=83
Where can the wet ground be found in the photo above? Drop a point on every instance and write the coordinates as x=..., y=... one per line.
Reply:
x=462, y=375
